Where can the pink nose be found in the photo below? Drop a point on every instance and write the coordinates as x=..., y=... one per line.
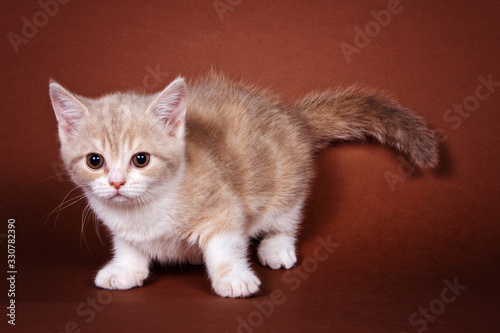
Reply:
x=117, y=185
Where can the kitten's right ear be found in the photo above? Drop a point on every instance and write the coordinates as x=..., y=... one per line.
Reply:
x=68, y=109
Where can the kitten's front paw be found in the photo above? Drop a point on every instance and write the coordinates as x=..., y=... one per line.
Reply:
x=277, y=253
x=113, y=276
x=237, y=284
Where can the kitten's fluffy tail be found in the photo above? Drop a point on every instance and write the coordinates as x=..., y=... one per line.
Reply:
x=356, y=114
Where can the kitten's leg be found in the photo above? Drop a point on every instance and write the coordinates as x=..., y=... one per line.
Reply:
x=277, y=249
x=128, y=268
x=226, y=260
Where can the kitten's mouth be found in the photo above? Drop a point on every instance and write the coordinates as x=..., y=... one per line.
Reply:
x=118, y=198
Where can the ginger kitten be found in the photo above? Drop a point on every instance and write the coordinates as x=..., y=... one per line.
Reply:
x=194, y=172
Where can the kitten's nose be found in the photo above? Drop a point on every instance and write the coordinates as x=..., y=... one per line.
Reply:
x=117, y=177
x=117, y=185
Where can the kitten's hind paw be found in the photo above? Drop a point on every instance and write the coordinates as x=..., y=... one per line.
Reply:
x=237, y=284
x=116, y=277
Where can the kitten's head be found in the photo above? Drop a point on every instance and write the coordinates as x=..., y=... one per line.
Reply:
x=123, y=148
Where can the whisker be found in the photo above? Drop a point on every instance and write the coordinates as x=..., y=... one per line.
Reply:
x=143, y=203
x=95, y=220
x=62, y=177
x=64, y=204
x=96, y=228
x=85, y=213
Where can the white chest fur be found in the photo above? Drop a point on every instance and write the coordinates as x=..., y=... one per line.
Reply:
x=153, y=230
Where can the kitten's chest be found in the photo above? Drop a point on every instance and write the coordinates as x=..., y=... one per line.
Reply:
x=154, y=232
x=141, y=224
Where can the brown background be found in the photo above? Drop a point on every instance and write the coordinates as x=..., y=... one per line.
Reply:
x=396, y=246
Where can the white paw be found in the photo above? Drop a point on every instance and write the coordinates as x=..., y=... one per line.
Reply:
x=277, y=252
x=113, y=276
x=237, y=284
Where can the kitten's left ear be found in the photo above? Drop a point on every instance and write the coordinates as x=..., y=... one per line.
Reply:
x=170, y=106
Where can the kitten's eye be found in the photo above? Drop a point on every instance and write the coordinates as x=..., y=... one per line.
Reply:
x=95, y=161
x=140, y=160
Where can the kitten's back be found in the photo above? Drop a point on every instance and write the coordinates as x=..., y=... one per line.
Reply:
x=243, y=140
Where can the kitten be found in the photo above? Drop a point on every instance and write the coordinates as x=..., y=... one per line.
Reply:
x=192, y=173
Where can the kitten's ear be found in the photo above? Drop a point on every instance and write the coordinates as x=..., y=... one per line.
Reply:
x=170, y=106
x=68, y=109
